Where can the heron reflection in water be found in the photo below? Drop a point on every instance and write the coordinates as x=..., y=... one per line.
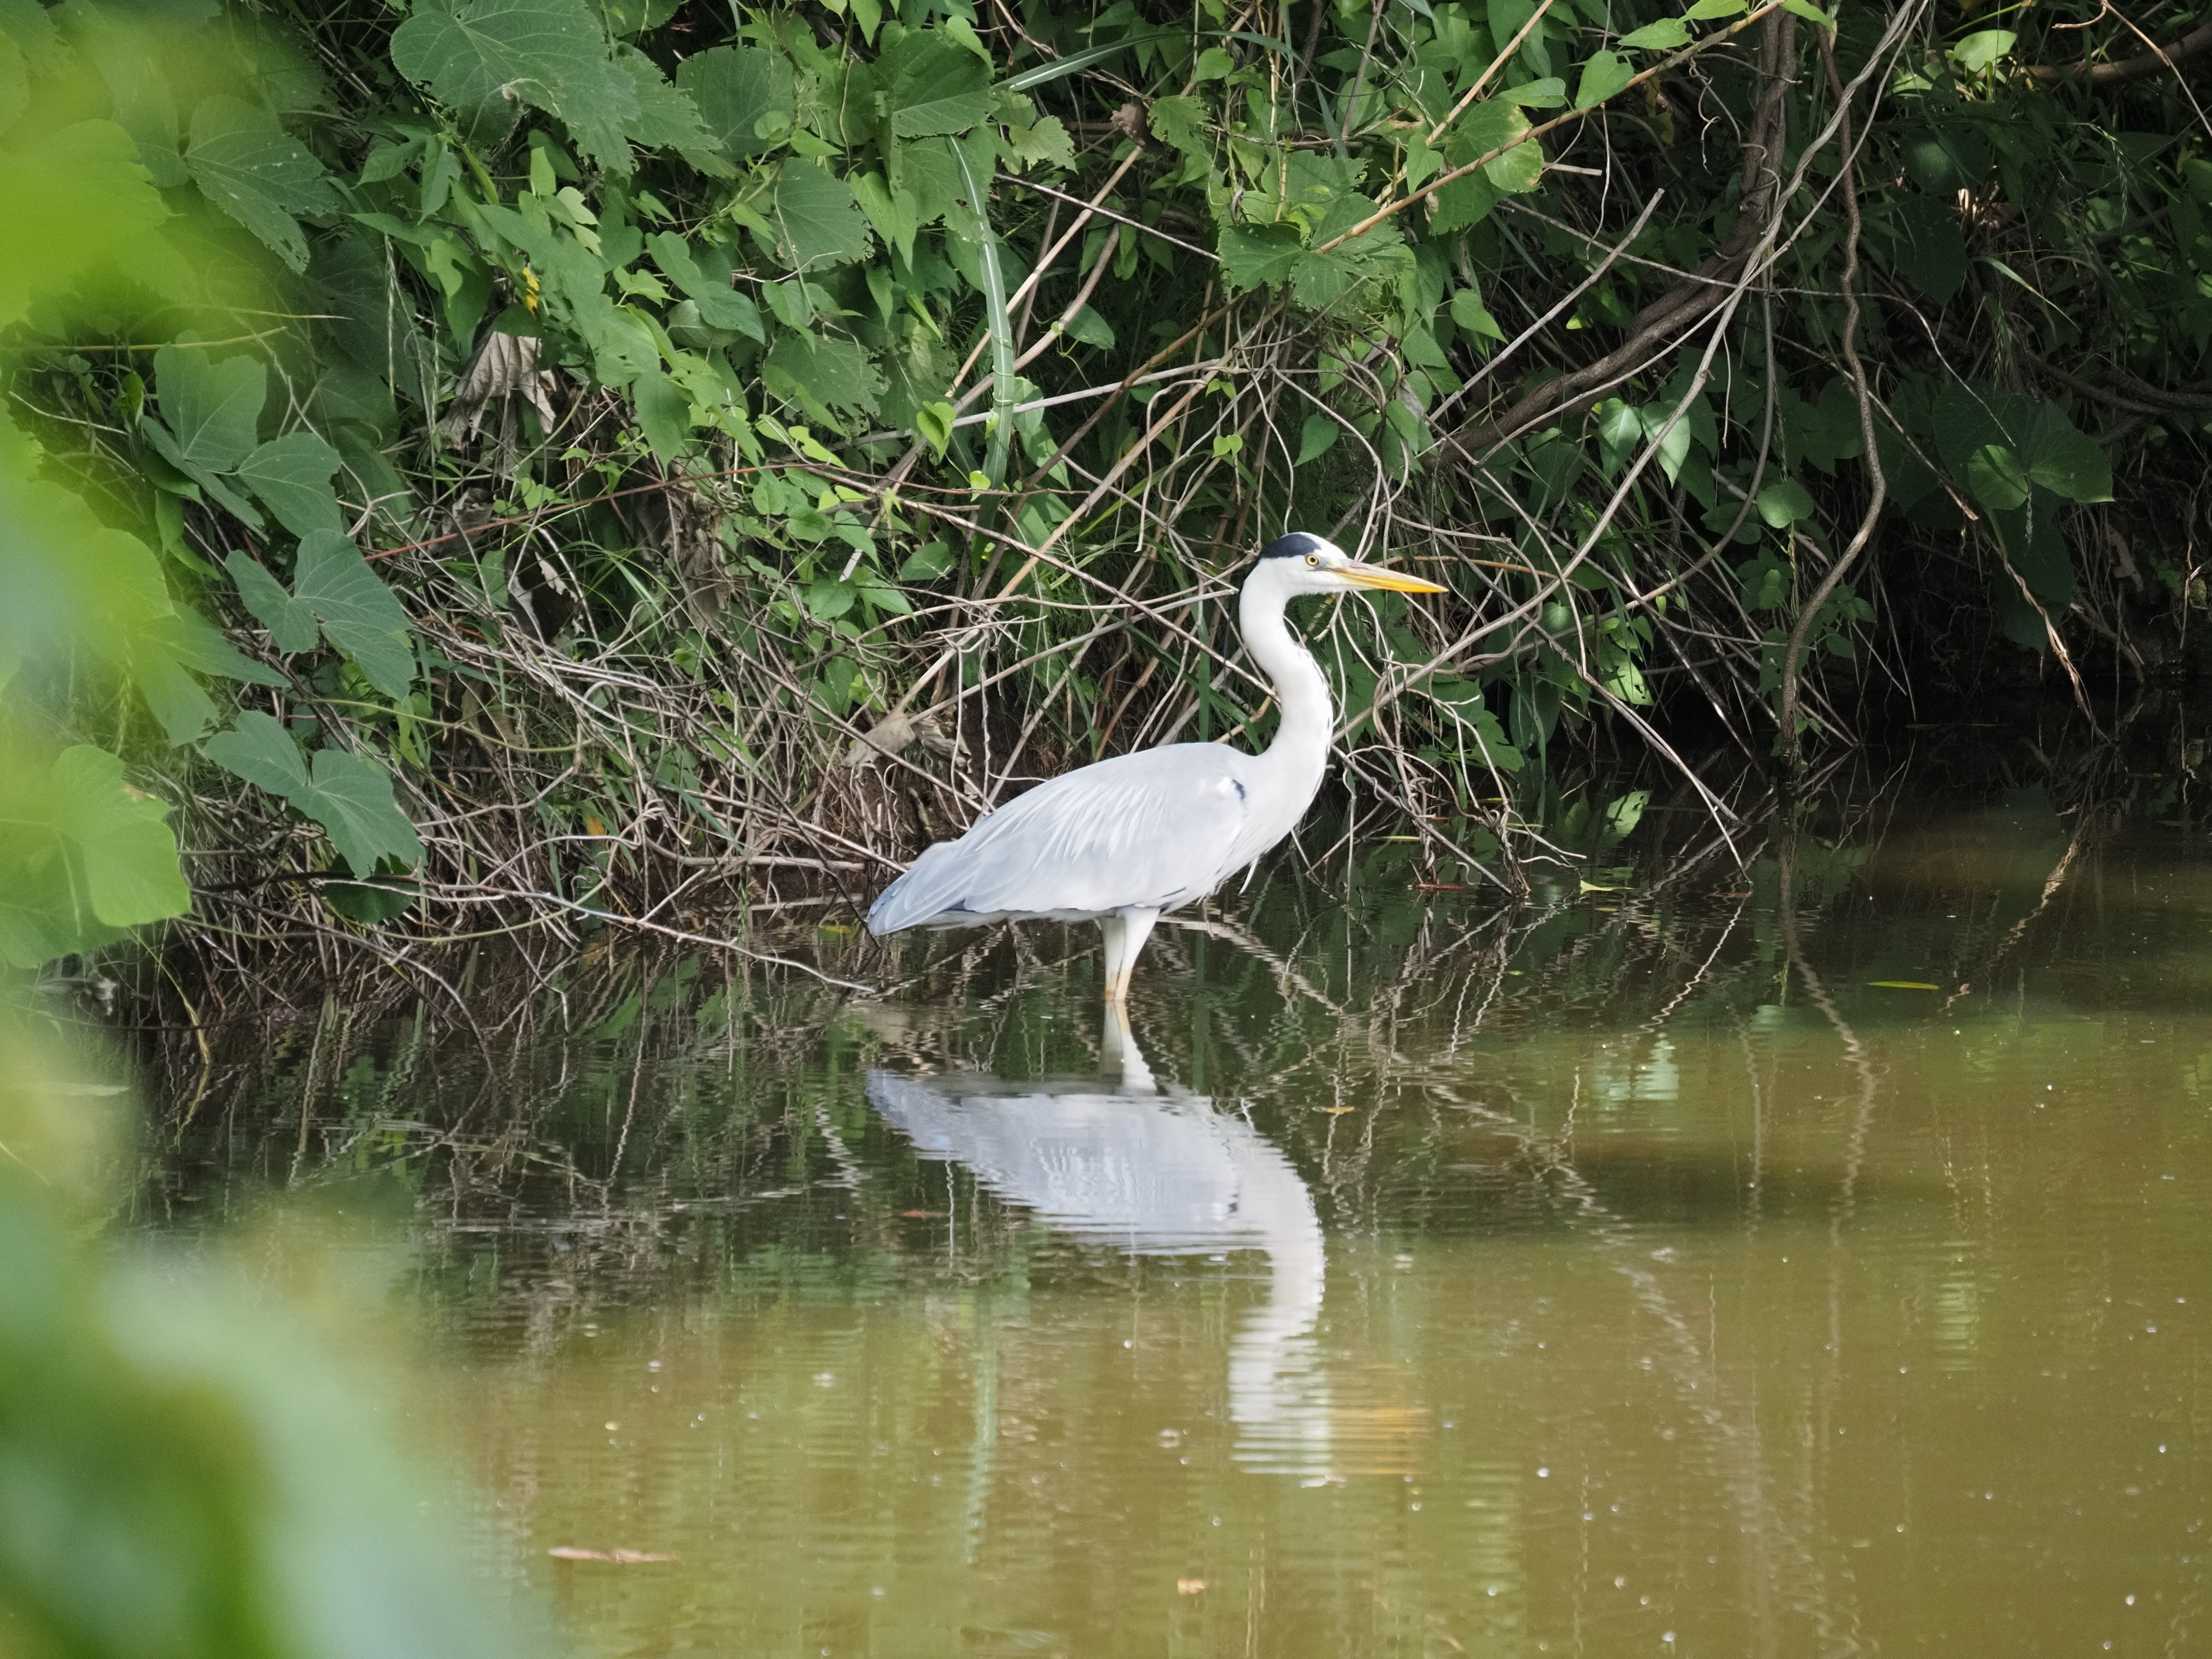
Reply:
x=1152, y=1171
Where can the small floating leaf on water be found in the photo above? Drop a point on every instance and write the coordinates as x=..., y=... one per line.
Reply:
x=620, y=1558
x=1189, y=1586
x=1338, y=1111
x=1902, y=984
x=922, y=1215
x=1592, y=887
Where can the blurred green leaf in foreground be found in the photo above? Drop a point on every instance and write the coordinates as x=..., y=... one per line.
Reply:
x=183, y=1473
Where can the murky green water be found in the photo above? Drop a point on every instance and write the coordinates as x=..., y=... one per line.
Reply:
x=1632, y=1274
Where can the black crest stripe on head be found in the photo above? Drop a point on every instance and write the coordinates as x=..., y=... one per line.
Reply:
x=1295, y=545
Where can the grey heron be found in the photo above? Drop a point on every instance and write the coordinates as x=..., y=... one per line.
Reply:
x=1122, y=840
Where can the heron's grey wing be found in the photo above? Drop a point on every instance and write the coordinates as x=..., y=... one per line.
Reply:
x=1152, y=830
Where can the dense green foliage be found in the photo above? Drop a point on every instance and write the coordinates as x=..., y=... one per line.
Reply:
x=537, y=457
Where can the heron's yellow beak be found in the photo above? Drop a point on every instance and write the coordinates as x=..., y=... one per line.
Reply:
x=1374, y=576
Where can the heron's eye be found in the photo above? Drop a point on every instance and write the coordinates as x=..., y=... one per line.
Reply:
x=1314, y=559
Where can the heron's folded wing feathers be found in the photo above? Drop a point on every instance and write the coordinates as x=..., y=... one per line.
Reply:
x=1152, y=829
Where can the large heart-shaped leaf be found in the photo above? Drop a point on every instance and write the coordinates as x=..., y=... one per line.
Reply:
x=169, y=646
x=350, y=797
x=291, y=475
x=1317, y=436
x=1994, y=474
x=2065, y=459
x=667, y=118
x=1495, y=125
x=1259, y=256
x=1605, y=73
x=353, y=803
x=2044, y=447
x=664, y=414
x=86, y=856
x=32, y=31
x=259, y=749
x=1784, y=502
x=357, y=611
x=834, y=374
x=1927, y=247
x=75, y=200
x=1619, y=432
x=1178, y=122
x=172, y=696
x=896, y=214
x=718, y=305
x=1663, y=35
x=1981, y=51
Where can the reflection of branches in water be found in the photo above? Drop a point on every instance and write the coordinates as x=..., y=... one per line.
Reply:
x=1287, y=977
x=1698, y=1383
x=1988, y=965
x=1854, y=1049
x=472, y=1128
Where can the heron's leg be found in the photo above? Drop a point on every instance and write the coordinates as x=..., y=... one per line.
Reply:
x=1125, y=933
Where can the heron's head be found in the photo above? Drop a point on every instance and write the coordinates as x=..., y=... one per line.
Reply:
x=1303, y=563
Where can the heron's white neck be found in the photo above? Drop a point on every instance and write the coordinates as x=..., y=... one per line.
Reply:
x=1300, y=750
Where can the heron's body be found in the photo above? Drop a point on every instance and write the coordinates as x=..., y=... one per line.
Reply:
x=1121, y=842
